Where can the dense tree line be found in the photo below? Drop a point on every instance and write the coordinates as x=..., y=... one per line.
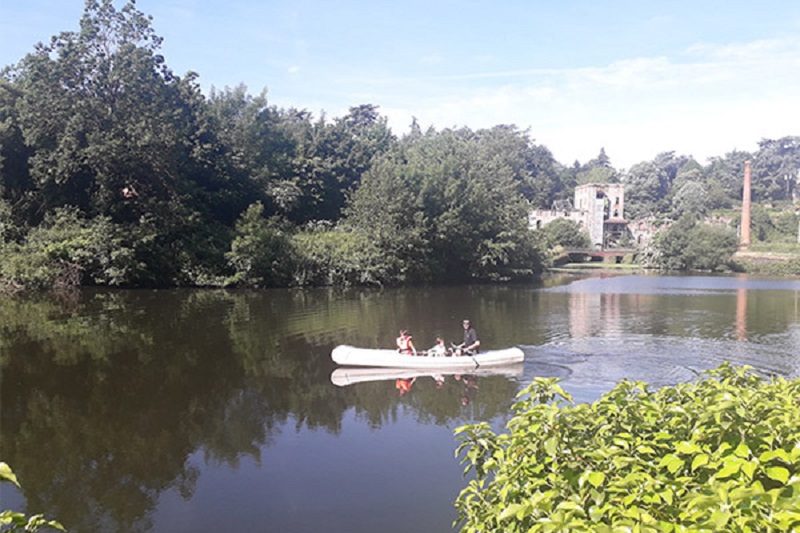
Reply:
x=115, y=170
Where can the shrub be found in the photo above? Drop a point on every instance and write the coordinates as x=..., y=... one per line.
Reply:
x=67, y=249
x=261, y=253
x=566, y=233
x=688, y=245
x=718, y=454
x=336, y=258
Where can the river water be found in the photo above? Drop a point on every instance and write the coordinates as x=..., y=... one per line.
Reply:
x=185, y=410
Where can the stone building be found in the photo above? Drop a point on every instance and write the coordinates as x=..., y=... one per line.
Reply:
x=597, y=207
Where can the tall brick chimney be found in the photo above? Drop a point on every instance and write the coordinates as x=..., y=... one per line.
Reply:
x=744, y=234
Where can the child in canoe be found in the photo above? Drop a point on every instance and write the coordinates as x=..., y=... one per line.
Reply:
x=405, y=344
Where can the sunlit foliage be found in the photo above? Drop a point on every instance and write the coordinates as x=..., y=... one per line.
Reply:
x=720, y=454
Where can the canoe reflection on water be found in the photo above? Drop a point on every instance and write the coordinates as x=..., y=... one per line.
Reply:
x=344, y=376
x=406, y=378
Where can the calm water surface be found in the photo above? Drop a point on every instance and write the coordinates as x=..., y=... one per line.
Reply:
x=172, y=411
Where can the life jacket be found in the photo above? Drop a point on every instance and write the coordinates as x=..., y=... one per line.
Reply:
x=403, y=385
x=404, y=343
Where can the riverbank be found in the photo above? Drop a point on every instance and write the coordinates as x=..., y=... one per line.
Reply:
x=768, y=263
x=597, y=267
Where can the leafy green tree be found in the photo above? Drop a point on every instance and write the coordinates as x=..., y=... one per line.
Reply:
x=333, y=163
x=786, y=226
x=725, y=177
x=776, y=167
x=645, y=187
x=761, y=226
x=331, y=257
x=597, y=170
x=691, y=197
x=446, y=208
x=710, y=247
x=533, y=167
x=565, y=233
x=113, y=132
x=384, y=210
x=601, y=161
x=96, y=108
x=257, y=148
x=597, y=175
x=16, y=185
x=649, y=185
x=261, y=253
x=689, y=245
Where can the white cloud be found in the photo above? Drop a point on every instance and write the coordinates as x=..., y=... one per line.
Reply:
x=706, y=102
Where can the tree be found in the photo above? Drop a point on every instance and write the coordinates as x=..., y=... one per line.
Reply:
x=725, y=177
x=261, y=253
x=113, y=132
x=689, y=245
x=776, y=167
x=446, y=207
x=340, y=154
x=258, y=149
x=646, y=185
x=16, y=185
x=97, y=106
x=597, y=170
x=691, y=197
x=565, y=233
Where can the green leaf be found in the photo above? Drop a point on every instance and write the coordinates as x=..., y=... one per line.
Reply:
x=773, y=454
x=749, y=468
x=672, y=462
x=510, y=511
x=742, y=451
x=551, y=445
x=778, y=473
x=730, y=468
x=688, y=448
x=596, y=478
x=698, y=461
x=6, y=474
x=720, y=518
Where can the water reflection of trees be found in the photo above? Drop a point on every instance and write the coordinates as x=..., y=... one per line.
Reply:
x=106, y=396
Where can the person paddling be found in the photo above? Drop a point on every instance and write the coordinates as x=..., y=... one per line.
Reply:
x=471, y=342
x=405, y=344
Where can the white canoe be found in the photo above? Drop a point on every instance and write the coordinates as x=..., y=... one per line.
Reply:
x=352, y=356
x=344, y=376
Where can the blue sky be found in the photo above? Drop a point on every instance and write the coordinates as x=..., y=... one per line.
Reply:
x=700, y=77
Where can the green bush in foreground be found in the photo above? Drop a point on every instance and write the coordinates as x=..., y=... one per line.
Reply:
x=721, y=454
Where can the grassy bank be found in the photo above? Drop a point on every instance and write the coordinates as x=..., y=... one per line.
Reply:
x=782, y=259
